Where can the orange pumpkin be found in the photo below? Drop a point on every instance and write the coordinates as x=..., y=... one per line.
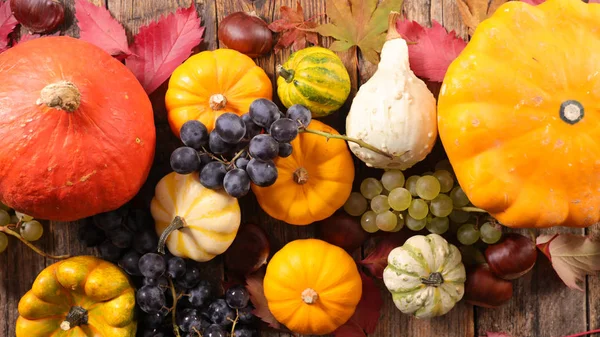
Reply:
x=313, y=182
x=211, y=83
x=312, y=286
x=517, y=115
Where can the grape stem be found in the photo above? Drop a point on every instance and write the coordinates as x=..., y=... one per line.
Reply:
x=223, y=160
x=348, y=139
x=28, y=244
x=471, y=209
x=174, y=310
x=234, y=321
x=177, y=224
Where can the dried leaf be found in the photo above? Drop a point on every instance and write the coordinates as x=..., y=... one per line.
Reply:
x=162, y=46
x=361, y=23
x=293, y=27
x=98, y=27
x=366, y=315
x=7, y=24
x=254, y=284
x=572, y=256
x=475, y=11
x=434, y=48
x=29, y=37
x=376, y=261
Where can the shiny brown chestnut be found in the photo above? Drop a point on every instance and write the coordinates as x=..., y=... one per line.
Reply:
x=484, y=289
x=343, y=231
x=246, y=33
x=39, y=16
x=512, y=257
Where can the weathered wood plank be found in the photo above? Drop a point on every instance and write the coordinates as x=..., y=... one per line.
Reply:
x=593, y=284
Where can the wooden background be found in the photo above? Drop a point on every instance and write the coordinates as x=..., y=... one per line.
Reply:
x=541, y=306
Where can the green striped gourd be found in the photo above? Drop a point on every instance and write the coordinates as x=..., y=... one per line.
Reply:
x=316, y=78
x=425, y=276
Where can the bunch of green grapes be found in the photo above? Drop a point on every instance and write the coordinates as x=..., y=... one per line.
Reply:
x=433, y=200
x=28, y=228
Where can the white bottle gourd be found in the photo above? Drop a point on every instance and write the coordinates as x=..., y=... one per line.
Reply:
x=393, y=111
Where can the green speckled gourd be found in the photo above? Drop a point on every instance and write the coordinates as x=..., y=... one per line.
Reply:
x=426, y=276
x=316, y=78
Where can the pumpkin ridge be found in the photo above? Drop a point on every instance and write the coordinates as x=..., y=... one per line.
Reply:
x=314, y=92
x=403, y=271
x=418, y=258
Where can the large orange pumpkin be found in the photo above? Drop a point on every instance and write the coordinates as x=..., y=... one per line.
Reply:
x=313, y=182
x=312, y=286
x=518, y=114
x=211, y=83
x=77, y=132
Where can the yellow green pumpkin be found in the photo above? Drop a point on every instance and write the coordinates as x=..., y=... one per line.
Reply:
x=316, y=78
x=83, y=296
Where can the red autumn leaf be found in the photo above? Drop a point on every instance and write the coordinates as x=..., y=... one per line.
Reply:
x=433, y=49
x=7, y=24
x=162, y=46
x=29, y=37
x=293, y=27
x=254, y=284
x=97, y=26
x=376, y=261
x=366, y=315
x=572, y=256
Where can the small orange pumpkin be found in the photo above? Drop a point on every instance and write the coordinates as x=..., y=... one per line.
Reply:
x=313, y=182
x=312, y=287
x=211, y=83
x=517, y=115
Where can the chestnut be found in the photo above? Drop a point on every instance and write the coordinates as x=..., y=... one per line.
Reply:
x=512, y=257
x=484, y=289
x=39, y=16
x=246, y=33
x=343, y=231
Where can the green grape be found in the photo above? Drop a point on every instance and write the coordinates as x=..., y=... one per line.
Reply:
x=386, y=221
x=459, y=216
x=380, y=204
x=411, y=185
x=4, y=218
x=467, y=234
x=444, y=164
x=392, y=179
x=23, y=216
x=414, y=224
x=400, y=221
x=446, y=180
x=459, y=198
x=471, y=256
x=418, y=209
x=438, y=225
x=3, y=242
x=428, y=187
x=370, y=187
x=441, y=206
x=490, y=233
x=428, y=173
x=399, y=199
x=356, y=204
x=32, y=230
x=367, y=222
x=4, y=207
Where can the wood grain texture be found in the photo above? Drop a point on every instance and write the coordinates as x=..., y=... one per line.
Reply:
x=593, y=284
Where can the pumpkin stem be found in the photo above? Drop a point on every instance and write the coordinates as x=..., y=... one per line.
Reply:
x=217, y=102
x=434, y=280
x=62, y=95
x=76, y=317
x=301, y=176
x=309, y=296
x=177, y=224
x=392, y=32
x=287, y=74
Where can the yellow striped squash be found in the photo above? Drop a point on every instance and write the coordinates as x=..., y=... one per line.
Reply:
x=426, y=276
x=316, y=78
x=197, y=222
